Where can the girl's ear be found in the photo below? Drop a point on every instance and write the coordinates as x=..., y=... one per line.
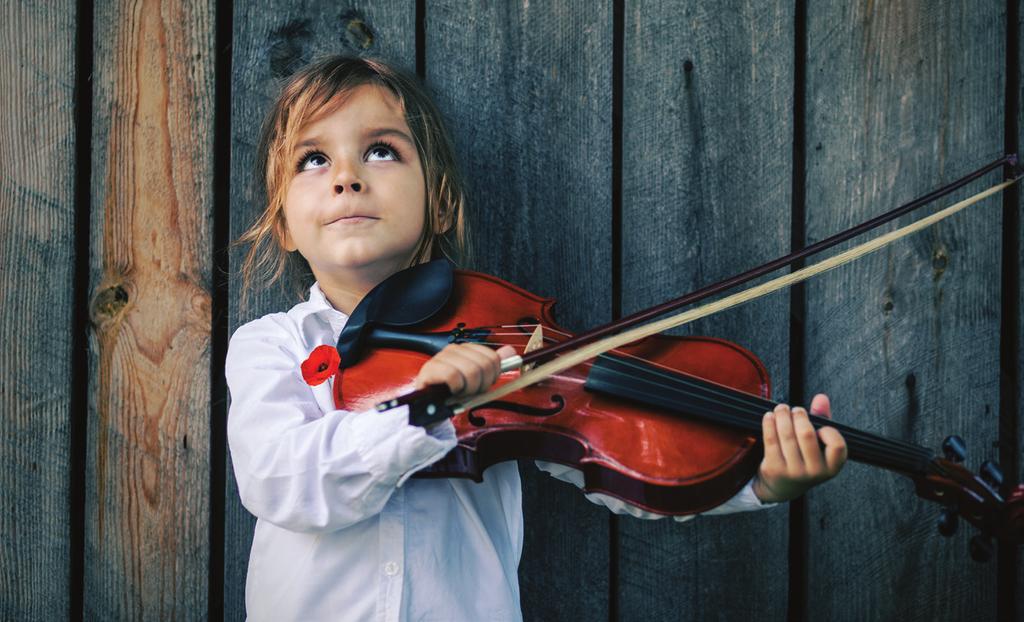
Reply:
x=442, y=221
x=443, y=226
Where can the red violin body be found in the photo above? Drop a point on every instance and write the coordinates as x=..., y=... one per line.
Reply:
x=658, y=460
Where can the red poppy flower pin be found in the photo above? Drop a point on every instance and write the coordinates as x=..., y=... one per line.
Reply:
x=323, y=361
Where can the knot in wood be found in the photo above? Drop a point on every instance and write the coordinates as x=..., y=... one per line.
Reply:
x=358, y=33
x=288, y=49
x=940, y=260
x=108, y=303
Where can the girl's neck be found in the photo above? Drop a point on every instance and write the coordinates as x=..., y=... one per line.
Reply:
x=344, y=291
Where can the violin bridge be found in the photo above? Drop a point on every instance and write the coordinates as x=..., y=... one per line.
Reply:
x=535, y=343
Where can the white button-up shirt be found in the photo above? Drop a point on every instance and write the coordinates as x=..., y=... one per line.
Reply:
x=341, y=532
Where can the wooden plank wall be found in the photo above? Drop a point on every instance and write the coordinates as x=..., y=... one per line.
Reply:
x=616, y=153
x=148, y=470
x=271, y=39
x=540, y=201
x=37, y=247
x=687, y=220
x=917, y=319
x=1013, y=443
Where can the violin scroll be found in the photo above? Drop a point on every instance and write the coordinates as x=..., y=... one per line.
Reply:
x=976, y=499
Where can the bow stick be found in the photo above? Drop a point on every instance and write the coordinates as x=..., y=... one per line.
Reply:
x=601, y=346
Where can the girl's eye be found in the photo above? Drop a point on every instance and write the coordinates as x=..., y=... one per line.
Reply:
x=312, y=160
x=381, y=151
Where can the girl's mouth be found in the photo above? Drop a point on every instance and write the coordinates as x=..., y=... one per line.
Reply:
x=352, y=220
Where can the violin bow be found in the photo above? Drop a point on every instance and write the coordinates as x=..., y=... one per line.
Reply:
x=594, y=348
x=644, y=315
x=539, y=362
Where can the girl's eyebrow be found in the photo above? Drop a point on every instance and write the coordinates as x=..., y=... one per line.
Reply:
x=389, y=131
x=374, y=133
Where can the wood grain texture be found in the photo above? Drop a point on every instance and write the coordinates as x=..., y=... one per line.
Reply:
x=272, y=39
x=147, y=534
x=527, y=90
x=37, y=216
x=901, y=98
x=706, y=193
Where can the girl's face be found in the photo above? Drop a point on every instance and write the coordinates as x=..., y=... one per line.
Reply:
x=355, y=208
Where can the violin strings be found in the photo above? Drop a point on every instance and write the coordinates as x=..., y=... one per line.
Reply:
x=744, y=410
x=723, y=402
x=862, y=447
x=750, y=404
x=745, y=400
x=751, y=408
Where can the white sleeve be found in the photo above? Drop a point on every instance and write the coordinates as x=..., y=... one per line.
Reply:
x=743, y=501
x=299, y=467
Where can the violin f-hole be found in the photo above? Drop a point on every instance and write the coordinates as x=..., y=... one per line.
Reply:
x=530, y=411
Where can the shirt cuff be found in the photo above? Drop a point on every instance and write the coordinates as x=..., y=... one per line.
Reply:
x=393, y=448
x=743, y=501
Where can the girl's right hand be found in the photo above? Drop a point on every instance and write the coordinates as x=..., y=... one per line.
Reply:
x=467, y=368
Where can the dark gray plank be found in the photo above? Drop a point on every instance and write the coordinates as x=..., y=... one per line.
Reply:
x=271, y=39
x=147, y=534
x=527, y=89
x=706, y=193
x=37, y=215
x=903, y=97
x=1020, y=306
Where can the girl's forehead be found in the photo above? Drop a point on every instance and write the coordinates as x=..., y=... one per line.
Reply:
x=366, y=100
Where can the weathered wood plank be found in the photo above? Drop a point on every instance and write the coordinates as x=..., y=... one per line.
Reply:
x=706, y=193
x=271, y=39
x=902, y=97
x=527, y=89
x=37, y=216
x=147, y=536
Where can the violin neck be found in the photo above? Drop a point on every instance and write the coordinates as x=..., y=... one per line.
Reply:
x=655, y=386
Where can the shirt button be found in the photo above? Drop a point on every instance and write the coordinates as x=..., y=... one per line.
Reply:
x=391, y=569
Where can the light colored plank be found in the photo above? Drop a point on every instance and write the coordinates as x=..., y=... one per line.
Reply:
x=147, y=533
x=37, y=217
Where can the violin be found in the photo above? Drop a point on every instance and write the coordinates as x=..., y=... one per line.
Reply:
x=669, y=424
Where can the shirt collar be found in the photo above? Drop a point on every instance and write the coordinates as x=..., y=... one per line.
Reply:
x=317, y=298
x=320, y=305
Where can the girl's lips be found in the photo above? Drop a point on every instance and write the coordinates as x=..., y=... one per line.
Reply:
x=352, y=220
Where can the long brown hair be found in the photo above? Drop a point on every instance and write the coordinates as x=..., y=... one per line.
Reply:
x=308, y=92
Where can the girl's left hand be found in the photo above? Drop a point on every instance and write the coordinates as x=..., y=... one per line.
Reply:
x=793, y=460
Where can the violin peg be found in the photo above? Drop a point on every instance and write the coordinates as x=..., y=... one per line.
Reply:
x=954, y=448
x=948, y=522
x=991, y=473
x=981, y=548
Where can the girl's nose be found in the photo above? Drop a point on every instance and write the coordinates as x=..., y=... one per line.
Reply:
x=354, y=186
x=347, y=179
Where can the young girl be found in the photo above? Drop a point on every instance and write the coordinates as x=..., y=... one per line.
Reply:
x=361, y=183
